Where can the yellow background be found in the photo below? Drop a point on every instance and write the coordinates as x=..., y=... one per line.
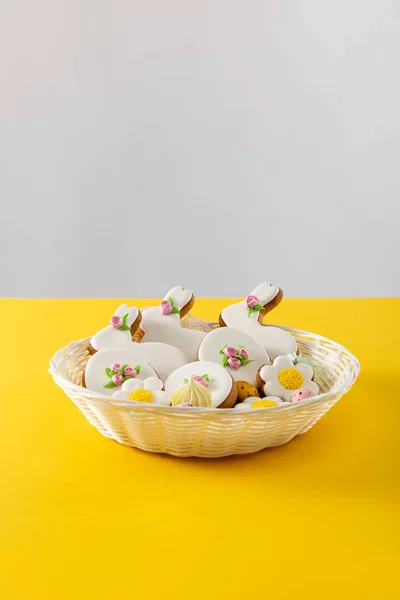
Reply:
x=84, y=517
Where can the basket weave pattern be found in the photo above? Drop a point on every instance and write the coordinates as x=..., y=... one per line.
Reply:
x=208, y=433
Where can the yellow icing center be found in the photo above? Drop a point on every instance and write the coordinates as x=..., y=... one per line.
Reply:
x=263, y=403
x=290, y=379
x=141, y=396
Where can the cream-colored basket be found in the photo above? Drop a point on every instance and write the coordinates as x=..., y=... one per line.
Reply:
x=208, y=432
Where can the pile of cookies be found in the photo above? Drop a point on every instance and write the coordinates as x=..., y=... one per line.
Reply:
x=242, y=364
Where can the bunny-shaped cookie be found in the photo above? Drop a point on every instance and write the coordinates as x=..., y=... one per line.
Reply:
x=248, y=314
x=164, y=358
x=120, y=330
x=162, y=323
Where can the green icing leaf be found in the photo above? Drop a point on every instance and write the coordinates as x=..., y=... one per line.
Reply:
x=124, y=366
x=298, y=358
x=205, y=376
x=224, y=360
x=239, y=356
x=240, y=346
x=121, y=371
x=170, y=300
x=258, y=307
x=109, y=384
x=185, y=380
x=124, y=328
x=304, y=360
x=221, y=350
x=246, y=360
x=124, y=318
x=127, y=377
x=109, y=372
x=137, y=368
x=175, y=310
x=250, y=311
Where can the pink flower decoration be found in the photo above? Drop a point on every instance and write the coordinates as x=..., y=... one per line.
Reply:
x=251, y=301
x=243, y=352
x=166, y=307
x=129, y=371
x=200, y=380
x=230, y=351
x=116, y=322
x=118, y=379
x=234, y=363
x=115, y=367
x=186, y=404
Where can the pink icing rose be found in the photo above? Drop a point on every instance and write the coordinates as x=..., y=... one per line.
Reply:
x=243, y=352
x=116, y=322
x=115, y=367
x=200, y=380
x=252, y=301
x=234, y=363
x=230, y=351
x=129, y=371
x=118, y=379
x=301, y=394
x=186, y=404
x=166, y=307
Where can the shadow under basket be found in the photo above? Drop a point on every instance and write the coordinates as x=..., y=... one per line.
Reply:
x=209, y=432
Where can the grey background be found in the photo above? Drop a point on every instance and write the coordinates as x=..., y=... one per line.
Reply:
x=202, y=143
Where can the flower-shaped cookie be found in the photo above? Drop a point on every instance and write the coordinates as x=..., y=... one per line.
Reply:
x=255, y=402
x=149, y=390
x=283, y=378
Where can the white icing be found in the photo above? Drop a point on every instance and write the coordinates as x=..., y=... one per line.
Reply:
x=272, y=386
x=214, y=341
x=275, y=340
x=167, y=328
x=95, y=377
x=115, y=338
x=265, y=292
x=179, y=296
x=152, y=384
x=220, y=384
x=164, y=358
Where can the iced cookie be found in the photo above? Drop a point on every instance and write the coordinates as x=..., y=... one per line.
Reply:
x=256, y=402
x=248, y=317
x=107, y=370
x=192, y=394
x=302, y=394
x=147, y=391
x=163, y=357
x=162, y=323
x=120, y=330
x=220, y=384
x=246, y=390
x=236, y=352
x=283, y=378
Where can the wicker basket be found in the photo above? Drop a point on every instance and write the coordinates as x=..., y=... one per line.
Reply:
x=208, y=432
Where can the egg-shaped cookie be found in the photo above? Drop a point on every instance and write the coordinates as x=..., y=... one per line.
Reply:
x=235, y=351
x=214, y=377
x=246, y=390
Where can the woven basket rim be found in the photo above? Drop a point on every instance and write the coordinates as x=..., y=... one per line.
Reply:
x=96, y=397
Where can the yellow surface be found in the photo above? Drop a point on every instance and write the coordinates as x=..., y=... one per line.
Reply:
x=84, y=517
